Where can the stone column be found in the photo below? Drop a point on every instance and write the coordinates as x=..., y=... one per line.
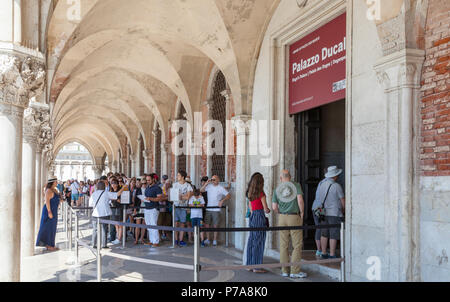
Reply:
x=21, y=78
x=400, y=74
x=147, y=160
x=98, y=171
x=132, y=166
x=31, y=128
x=165, y=158
x=242, y=133
x=226, y=95
x=37, y=196
x=138, y=157
x=115, y=166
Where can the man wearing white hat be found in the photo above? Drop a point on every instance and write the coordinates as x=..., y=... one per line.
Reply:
x=288, y=202
x=330, y=194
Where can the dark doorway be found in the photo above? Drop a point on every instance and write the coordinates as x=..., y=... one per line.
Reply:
x=320, y=134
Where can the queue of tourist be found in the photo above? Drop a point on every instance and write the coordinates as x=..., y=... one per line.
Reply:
x=149, y=202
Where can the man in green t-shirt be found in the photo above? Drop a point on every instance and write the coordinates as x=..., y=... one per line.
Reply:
x=288, y=202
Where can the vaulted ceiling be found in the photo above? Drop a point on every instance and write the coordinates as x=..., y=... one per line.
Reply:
x=123, y=64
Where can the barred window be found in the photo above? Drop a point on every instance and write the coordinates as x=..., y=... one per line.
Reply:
x=219, y=113
x=181, y=159
x=158, y=151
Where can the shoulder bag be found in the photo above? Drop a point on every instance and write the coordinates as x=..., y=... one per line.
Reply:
x=320, y=211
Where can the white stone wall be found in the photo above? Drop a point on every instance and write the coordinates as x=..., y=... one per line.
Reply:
x=435, y=228
x=368, y=232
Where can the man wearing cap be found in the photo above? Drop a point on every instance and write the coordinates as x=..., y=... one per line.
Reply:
x=330, y=194
x=288, y=202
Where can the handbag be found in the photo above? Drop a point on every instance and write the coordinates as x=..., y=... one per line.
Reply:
x=267, y=222
x=320, y=211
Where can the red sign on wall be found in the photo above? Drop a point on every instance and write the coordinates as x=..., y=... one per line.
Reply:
x=317, y=67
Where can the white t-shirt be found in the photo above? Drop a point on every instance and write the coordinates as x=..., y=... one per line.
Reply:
x=215, y=195
x=102, y=209
x=196, y=212
x=74, y=188
x=183, y=189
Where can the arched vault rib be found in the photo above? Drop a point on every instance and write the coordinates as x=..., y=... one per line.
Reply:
x=141, y=58
x=110, y=101
x=82, y=125
x=83, y=142
x=99, y=112
x=98, y=148
x=130, y=88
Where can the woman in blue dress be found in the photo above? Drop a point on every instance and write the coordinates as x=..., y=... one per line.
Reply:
x=49, y=219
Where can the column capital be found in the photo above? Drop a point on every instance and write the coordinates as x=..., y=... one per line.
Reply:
x=146, y=154
x=241, y=124
x=400, y=69
x=22, y=77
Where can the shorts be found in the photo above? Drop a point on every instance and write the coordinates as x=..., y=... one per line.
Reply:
x=188, y=217
x=139, y=216
x=334, y=233
x=196, y=222
x=180, y=215
x=117, y=214
x=212, y=218
x=164, y=219
x=75, y=197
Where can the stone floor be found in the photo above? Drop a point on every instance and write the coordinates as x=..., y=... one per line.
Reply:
x=58, y=267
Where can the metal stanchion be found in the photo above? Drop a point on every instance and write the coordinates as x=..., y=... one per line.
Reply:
x=196, y=254
x=124, y=228
x=65, y=219
x=226, y=225
x=173, y=224
x=76, y=239
x=70, y=230
x=99, y=247
x=342, y=253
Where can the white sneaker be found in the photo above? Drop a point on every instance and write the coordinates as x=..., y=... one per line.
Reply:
x=214, y=243
x=299, y=275
x=284, y=274
x=117, y=241
x=207, y=242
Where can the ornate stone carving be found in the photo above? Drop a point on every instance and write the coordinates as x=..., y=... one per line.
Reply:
x=20, y=79
x=31, y=126
x=146, y=154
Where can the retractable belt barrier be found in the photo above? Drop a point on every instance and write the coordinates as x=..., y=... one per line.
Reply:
x=196, y=267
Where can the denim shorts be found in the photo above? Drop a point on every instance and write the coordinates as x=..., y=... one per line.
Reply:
x=333, y=233
x=196, y=222
x=180, y=215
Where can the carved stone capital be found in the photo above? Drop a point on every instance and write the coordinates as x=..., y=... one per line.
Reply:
x=146, y=154
x=242, y=123
x=400, y=69
x=31, y=126
x=21, y=78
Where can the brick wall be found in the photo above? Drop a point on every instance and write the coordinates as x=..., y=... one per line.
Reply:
x=435, y=92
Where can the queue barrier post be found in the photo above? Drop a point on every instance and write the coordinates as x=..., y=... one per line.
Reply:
x=70, y=230
x=196, y=254
x=342, y=253
x=76, y=239
x=124, y=228
x=65, y=220
x=173, y=224
x=99, y=247
x=226, y=225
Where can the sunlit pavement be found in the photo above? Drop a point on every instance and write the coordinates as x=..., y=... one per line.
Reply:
x=58, y=266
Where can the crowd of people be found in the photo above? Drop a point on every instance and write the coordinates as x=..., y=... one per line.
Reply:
x=151, y=200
